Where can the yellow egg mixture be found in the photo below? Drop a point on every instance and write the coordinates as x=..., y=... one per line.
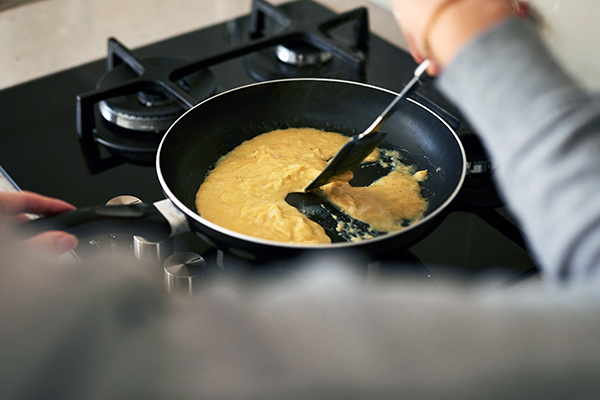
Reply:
x=246, y=190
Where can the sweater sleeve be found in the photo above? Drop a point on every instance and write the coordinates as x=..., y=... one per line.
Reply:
x=543, y=134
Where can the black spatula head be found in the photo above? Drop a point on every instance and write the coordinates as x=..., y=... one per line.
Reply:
x=339, y=226
x=360, y=146
x=347, y=158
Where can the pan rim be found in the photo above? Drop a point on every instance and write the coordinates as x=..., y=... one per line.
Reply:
x=299, y=246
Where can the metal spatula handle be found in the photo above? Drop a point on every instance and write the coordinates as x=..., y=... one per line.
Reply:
x=376, y=125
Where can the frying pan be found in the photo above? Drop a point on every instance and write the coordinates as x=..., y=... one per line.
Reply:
x=209, y=130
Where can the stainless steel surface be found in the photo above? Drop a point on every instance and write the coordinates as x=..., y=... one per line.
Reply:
x=177, y=220
x=152, y=252
x=157, y=124
x=183, y=273
x=302, y=57
x=376, y=125
x=123, y=200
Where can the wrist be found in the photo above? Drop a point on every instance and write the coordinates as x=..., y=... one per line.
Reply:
x=456, y=22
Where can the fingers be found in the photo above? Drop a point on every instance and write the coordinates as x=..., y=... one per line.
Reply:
x=14, y=206
x=14, y=203
x=412, y=16
x=54, y=242
x=433, y=69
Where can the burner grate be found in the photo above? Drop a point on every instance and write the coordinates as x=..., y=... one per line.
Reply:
x=164, y=82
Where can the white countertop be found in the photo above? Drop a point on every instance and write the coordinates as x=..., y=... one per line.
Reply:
x=41, y=37
x=44, y=36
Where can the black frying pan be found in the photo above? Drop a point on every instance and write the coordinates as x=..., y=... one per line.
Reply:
x=194, y=143
x=213, y=128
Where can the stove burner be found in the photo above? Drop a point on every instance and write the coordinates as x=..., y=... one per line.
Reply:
x=134, y=103
x=266, y=65
x=331, y=48
x=150, y=110
x=302, y=55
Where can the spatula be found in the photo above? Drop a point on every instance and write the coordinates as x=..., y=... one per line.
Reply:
x=360, y=146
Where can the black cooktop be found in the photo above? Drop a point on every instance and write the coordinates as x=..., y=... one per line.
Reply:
x=40, y=147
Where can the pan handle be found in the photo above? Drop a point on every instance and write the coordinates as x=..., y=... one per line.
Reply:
x=133, y=219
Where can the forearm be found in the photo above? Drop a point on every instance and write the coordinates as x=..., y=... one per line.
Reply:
x=543, y=133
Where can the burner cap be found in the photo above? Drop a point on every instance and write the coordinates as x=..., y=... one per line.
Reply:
x=151, y=111
x=302, y=54
x=267, y=65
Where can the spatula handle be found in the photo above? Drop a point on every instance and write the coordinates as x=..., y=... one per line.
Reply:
x=409, y=88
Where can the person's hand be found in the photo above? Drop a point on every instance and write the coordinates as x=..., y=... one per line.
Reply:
x=439, y=29
x=412, y=16
x=15, y=205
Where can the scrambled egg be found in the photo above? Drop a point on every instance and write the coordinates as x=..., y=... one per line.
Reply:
x=246, y=190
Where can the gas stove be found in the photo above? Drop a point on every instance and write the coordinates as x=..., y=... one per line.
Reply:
x=89, y=134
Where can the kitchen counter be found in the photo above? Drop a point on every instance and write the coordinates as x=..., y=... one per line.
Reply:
x=41, y=37
x=45, y=36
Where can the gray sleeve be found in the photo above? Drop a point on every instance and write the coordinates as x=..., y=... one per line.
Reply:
x=543, y=134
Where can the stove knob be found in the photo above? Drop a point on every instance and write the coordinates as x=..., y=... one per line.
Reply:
x=123, y=200
x=184, y=272
x=152, y=252
x=149, y=252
